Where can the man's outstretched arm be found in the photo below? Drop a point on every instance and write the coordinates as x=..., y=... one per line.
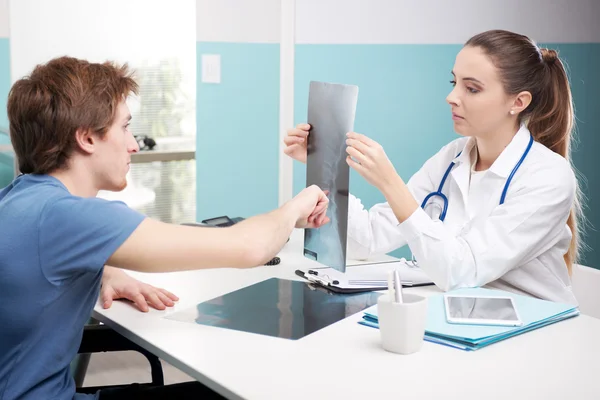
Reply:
x=160, y=247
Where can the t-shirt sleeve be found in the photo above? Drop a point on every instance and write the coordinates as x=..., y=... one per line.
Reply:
x=78, y=235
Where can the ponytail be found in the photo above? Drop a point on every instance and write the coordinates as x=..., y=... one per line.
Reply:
x=523, y=66
x=551, y=121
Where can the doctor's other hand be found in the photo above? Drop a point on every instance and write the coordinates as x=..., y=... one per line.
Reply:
x=310, y=206
x=295, y=142
x=368, y=158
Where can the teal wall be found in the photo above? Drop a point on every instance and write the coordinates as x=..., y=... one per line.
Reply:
x=582, y=64
x=401, y=104
x=6, y=162
x=237, y=145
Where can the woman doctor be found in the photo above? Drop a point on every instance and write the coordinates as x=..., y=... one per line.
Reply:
x=497, y=207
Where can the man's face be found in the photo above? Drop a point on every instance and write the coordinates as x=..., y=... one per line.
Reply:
x=114, y=152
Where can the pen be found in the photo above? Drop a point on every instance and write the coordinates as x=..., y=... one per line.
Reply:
x=391, y=289
x=398, y=287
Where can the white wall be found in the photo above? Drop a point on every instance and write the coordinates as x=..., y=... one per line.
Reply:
x=3, y=18
x=99, y=29
x=442, y=22
x=238, y=21
x=595, y=20
x=258, y=21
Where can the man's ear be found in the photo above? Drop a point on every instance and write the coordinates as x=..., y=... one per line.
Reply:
x=521, y=102
x=86, y=140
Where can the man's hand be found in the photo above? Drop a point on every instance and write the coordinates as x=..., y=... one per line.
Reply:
x=116, y=284
x=311, y=204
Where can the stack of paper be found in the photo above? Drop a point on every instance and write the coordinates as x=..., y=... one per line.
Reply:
x=535, y=313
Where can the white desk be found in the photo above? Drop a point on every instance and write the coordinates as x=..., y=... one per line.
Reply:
x=345, y=360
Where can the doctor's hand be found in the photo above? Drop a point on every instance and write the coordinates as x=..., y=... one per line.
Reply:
x=116, y=284
x=295, y=142
x=311, y=207
x=368, y=158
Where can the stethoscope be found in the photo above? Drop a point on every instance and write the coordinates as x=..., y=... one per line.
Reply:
x=441, y=195
x=445, y=199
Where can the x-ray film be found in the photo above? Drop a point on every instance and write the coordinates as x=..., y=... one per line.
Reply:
x=331, y=112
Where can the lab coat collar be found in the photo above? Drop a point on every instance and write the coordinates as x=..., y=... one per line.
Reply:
x=462, y=172
x=506, y=161
x=510, y=156
x=465, y=155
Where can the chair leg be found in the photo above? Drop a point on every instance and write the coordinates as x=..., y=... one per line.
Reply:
x=101, y=338
x=158, y=378
x=80, y=366
x=81, y=362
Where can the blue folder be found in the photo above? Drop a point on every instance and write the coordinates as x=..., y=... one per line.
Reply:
x=534, y=313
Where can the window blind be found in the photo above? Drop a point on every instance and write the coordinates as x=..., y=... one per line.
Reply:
x=155, y=38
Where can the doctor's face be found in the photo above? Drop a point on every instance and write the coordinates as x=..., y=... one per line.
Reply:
x=479, y=104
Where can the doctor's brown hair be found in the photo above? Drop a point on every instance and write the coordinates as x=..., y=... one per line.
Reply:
x=46, y=108
x=523, y=66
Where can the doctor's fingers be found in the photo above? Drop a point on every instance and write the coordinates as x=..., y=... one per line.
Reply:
x=289, y=150
x=289, y=140
x=298, y=132
x=360, y=146
x=362, y=138
x=357, y=167
x=361, y=158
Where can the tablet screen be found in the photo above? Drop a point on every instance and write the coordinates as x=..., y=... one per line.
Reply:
x=500, y=309
x=277, y=307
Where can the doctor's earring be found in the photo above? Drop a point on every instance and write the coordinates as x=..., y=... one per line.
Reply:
x=512, y=112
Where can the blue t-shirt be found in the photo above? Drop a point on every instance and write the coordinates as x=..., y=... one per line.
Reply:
x=53, y=247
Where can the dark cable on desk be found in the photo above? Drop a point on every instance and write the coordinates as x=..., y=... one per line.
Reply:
x=274, y=261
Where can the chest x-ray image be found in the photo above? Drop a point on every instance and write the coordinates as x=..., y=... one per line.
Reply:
x=331, y=112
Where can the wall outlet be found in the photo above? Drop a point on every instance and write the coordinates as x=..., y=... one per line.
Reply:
x=211, y=68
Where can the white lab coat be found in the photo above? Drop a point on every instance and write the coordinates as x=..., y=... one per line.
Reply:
x=518, y=246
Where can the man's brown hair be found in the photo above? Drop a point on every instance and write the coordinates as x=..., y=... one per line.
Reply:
x=46, y=108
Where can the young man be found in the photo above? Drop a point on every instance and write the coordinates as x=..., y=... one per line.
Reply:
x=69, y=128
